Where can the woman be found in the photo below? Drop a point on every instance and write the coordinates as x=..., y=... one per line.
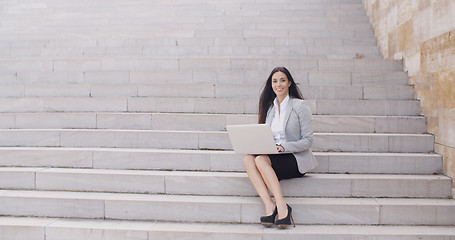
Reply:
x=282, y=106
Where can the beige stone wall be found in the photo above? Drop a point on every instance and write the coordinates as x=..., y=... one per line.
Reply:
x=422, y=33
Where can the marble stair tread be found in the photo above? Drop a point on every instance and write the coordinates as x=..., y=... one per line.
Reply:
x=202, y=122
x=199, y=90
x=228, y=209
x=197, y=64
x=33, y=228
x=222, y=183
x=202, y=105
x=311, y=76
x=206, y=140
x=205, y=160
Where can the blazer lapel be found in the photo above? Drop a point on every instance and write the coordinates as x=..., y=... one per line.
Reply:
x=288, y=112
x=270, y=115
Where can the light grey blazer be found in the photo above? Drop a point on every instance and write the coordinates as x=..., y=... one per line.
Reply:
x=298, y=133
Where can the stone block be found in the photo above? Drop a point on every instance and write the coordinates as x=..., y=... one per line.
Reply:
x=331, y=65
x=411, y=143
x=26, y=65
x=226, y=161
x=293, y=65
x=8, y=77
x=113, y=90
x=96, y=180
x=237, y=91
x=17, y=178
x=69, y=104
x=77, y=65
x=107, y=76
x=48, y=157
x=96, y=229
x=198, y=122
x=66, y=53
x=388, y=92
x=329, y=78
x=161, y=104
x=113, y=52
x=232, y=75
x=158, y=76
x=333, y=186
x=23, y=228
x=12, y=91
x=184, y=208
x=87, y=138
x=108, y=64
x=7, y=120
x=55, y=120
x=404, y=124
x=219, y=231
x=151, y=159
x=51, y=204
x=54, y=90
x=379, y=78
x=214, y=140
x=176, y=90
x=140, y=121
x=21, y=105
x=175, y=51
x=204, y=64
x=350, y=142
x=156, y=139
x=331, y=92
x=383, y=163
x=368, y=107
x=50, y=77
x=234, y=119
x=28, y=138
x=400, y=186
x=343, y=124
x=236, y=184
x=416, y=211
x=219, y=105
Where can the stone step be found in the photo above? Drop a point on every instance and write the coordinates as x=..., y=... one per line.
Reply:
x=21, y=228
x=225, y=209
x=202, y=122
x=253, y=77
x=198, y=64
x=222, y=161
x=326, y=142
x=353, y=92
x=57, y=46
x=222, y=183
x=324, y=51
x=202, y=105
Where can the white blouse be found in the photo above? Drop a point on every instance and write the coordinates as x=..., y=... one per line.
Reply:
x=278, y=121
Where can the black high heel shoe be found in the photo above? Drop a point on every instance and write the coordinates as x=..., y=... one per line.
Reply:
x=285, y=222
x=268, y=221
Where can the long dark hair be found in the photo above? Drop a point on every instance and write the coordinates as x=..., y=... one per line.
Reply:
x=268, y=95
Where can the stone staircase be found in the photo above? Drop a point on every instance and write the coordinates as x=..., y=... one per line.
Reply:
x=113, y=115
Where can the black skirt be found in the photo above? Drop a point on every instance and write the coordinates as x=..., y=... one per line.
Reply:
x=285, y=166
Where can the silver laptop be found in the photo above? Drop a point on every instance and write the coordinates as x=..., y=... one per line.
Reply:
x=252, y=139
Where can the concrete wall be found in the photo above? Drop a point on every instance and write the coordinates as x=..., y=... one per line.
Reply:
x=422, y=33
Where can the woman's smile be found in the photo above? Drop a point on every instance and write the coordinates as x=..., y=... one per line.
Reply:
x=280, y=85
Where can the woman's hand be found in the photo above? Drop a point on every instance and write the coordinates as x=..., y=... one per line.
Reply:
x=279, y=148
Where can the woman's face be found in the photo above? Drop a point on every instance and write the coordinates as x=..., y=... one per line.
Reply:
x=280, y=84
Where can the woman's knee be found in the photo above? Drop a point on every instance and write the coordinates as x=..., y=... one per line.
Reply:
x=262, y=161
x=248, y=161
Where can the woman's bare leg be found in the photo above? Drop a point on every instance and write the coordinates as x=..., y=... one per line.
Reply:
x=264, y=165
x=258, y=183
